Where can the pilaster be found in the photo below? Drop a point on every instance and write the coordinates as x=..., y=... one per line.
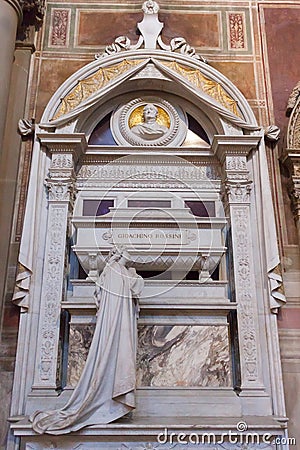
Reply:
x=232, y=152
x=65, y=152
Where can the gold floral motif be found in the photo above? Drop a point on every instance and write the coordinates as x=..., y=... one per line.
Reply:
x=210, y=87
x=136, y=117
x=85, y=88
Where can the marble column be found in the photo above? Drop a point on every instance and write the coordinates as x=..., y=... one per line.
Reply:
x=65, y=153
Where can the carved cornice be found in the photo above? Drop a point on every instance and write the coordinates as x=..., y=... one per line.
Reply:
x=239, y=145
x=74, y=144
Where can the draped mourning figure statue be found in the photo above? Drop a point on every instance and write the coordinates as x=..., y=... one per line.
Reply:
x=105, y=390
x=150, y=128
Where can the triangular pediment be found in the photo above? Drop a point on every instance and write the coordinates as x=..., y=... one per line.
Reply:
x=152, y=60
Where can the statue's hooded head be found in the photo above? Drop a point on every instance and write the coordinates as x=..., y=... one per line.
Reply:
x=117, y=253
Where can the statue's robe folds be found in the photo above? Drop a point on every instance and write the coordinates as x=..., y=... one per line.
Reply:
x=105, y=391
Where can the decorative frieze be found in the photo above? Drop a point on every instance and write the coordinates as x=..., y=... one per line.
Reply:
x=158, y=171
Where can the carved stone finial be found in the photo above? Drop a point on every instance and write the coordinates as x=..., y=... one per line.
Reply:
x=150, y=7
x=150, y=27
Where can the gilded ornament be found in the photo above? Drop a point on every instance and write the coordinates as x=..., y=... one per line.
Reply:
x=136, y=117
x=210, y=87
x=87, y=87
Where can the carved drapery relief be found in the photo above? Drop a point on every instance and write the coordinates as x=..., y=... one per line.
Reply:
x=210, y=87
x=21, y=292
x=85, y=88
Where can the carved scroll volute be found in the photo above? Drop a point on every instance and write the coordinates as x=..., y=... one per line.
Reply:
x=232, y=152
x=65, y=152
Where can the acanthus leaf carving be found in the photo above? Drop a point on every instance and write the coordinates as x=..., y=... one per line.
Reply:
x=54, y=264
x=244, y=289
x=60, y=191
x=238, y=192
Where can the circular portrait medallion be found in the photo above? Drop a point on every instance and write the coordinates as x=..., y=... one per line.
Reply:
x=148, y=121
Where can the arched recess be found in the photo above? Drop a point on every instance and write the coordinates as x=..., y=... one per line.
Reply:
x=237, y=148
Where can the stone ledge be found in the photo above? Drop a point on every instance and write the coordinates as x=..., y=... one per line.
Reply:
x=153, y=426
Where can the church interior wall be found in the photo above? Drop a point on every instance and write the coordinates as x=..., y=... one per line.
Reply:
x=254, y=44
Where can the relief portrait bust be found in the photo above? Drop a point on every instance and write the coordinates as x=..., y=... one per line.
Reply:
x=148, y=121
x=149, y=129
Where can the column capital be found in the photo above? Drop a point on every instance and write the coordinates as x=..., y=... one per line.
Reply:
x=238, y=192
